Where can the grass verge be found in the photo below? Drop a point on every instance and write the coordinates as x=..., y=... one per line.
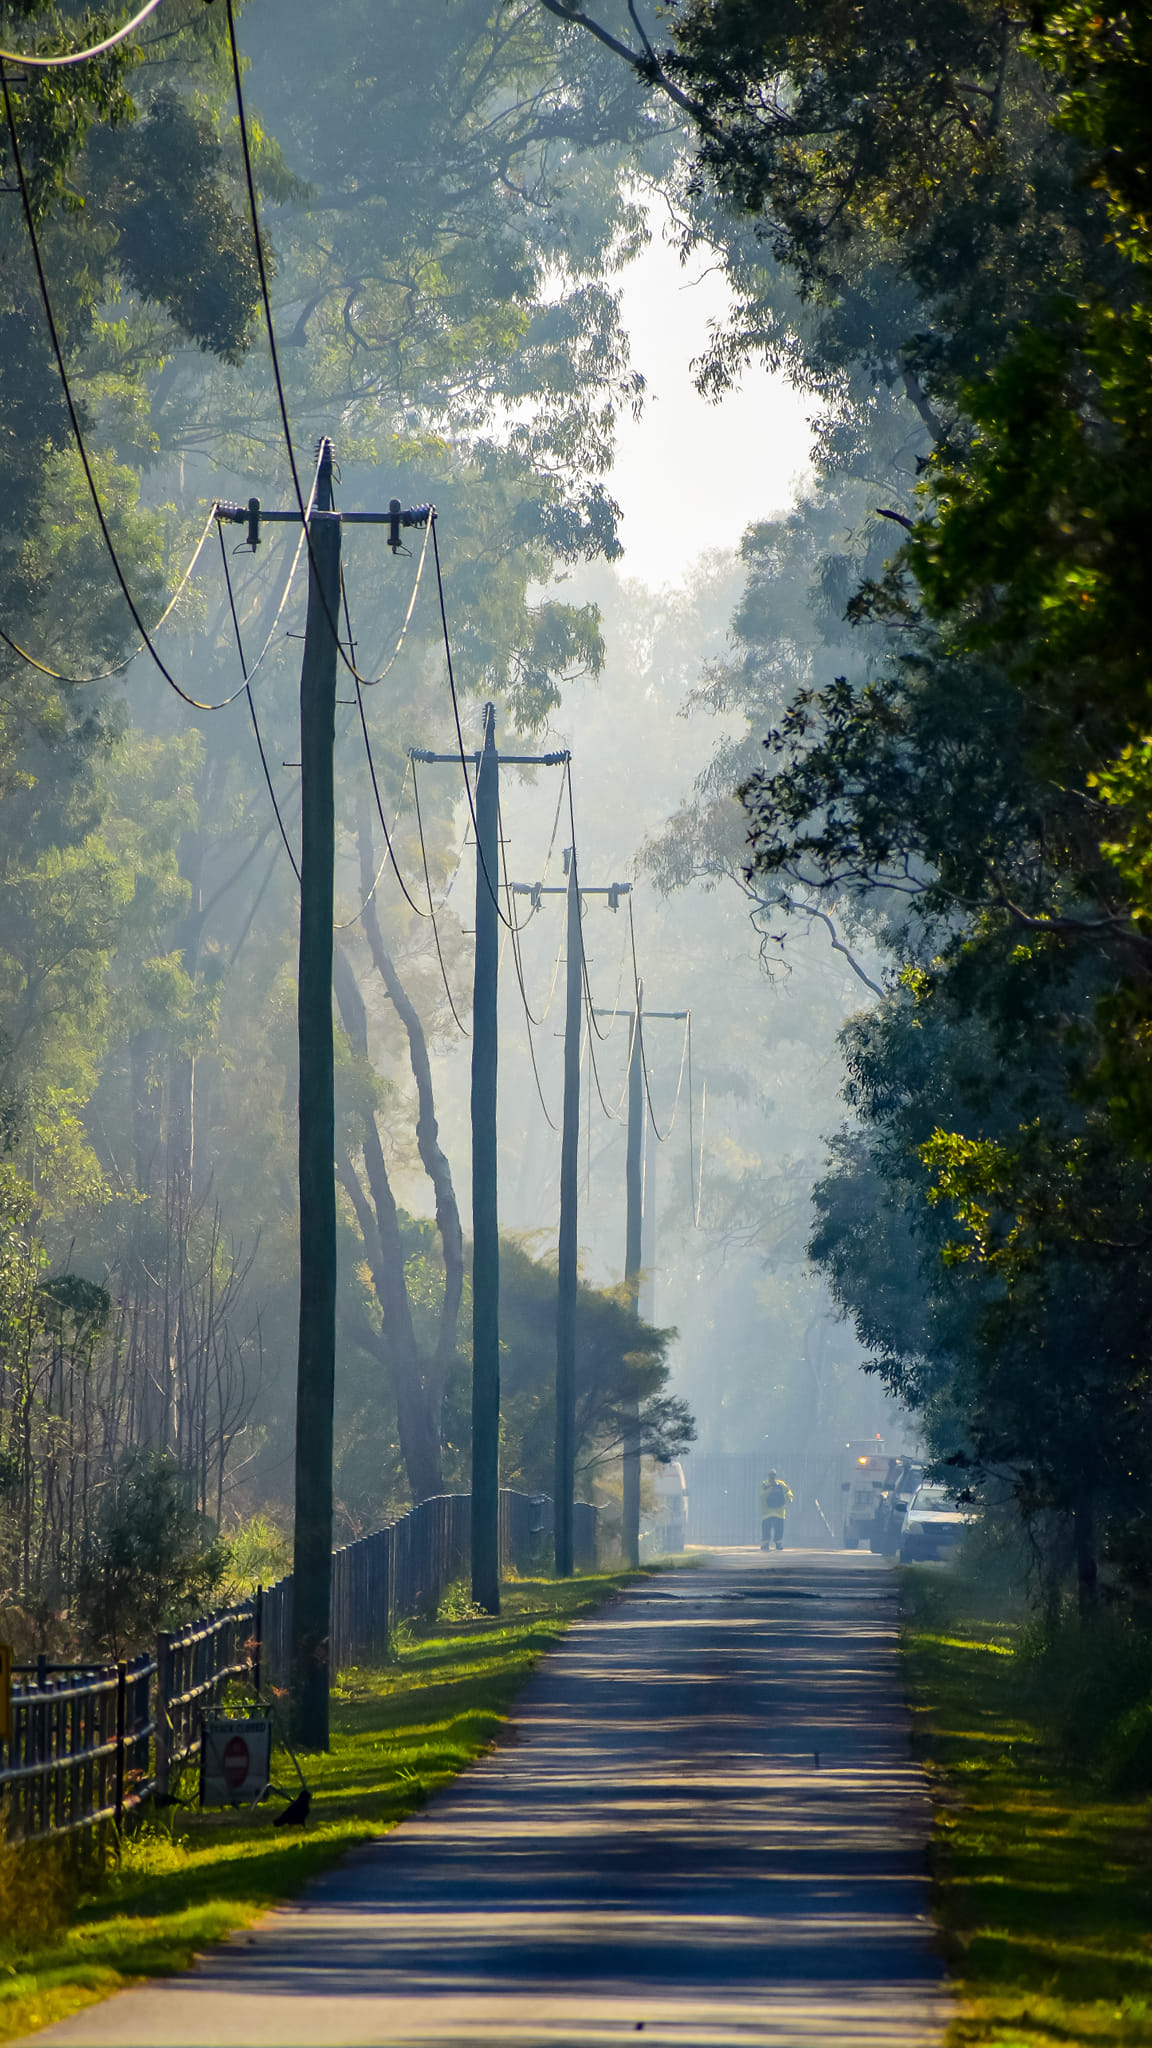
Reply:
x=1042, y=1876
x=398, y=1735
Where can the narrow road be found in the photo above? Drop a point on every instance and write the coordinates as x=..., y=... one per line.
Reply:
x=705, y=1827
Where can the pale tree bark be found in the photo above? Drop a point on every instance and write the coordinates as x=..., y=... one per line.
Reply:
x=432, y=1155
x=417, y=1403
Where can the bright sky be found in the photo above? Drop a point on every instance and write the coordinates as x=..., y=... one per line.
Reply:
x=691, y=475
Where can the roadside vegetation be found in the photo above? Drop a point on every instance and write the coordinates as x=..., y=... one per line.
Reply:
x=71, y=1934
x=1036, y=1737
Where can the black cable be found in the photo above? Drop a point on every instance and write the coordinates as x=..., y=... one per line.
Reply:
x=514, y=935
x=594, y=1031
x=73, y=415
x=412, y=904
x=273, y=350
x=456, y=714
x=431, y=912
x=252, y=707
x=661, y=1137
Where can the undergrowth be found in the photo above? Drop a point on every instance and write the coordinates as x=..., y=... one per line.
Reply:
x=1035, y=1740
x=185, y=1879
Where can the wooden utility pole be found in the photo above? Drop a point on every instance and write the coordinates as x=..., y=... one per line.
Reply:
x=485, y=1217
x=633, y=1231
x=485, y=1191
x=633, y=1255
x=316, y=1367
x=316, y=1357
x=568, y=1268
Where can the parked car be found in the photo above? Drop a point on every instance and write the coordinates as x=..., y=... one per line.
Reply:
x=893, y=1503
x=933, y=1524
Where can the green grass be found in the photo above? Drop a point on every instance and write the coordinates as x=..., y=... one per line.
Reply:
x=1042, y=1876
x=397, y=1736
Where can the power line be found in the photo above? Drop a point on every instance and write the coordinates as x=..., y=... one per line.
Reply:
x=492, y=891
x=660, y=1136
x=514, y=935
x=348, y=922
x=370, y=682
x=390, y=851
x=431, y=911
x=104, y=675
x=73, y=415
x=252, y=708
x=695, y=1180
x=80, y=56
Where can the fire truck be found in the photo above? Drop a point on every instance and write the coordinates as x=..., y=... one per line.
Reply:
x=867, y=1475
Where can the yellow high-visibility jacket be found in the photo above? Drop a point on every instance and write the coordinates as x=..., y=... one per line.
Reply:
x=774, y=1497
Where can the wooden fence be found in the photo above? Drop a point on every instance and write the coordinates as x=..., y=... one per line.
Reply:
x=90, y=1742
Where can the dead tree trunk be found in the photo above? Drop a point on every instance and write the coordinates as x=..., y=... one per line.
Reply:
x=432, y=1156
x=417, y=1408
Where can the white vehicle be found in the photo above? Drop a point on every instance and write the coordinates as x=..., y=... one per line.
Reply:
x=933, y=1524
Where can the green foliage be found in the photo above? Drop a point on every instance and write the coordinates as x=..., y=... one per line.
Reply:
x=398, y=1737
x=153, y=1559
x=1039, y=1866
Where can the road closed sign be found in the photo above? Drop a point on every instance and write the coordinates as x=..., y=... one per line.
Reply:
x=235, y=1761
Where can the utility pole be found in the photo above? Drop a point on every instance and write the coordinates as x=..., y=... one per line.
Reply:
x=567, y=1273
x=633, y=1242
x=316, y=1356
x=485, y=1205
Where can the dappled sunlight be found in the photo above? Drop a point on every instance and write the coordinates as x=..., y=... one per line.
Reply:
x=705, y=1819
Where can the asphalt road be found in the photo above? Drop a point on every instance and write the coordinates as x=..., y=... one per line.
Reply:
x=704, y=1827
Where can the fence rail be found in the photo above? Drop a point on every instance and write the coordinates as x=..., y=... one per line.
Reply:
x=89, y=1742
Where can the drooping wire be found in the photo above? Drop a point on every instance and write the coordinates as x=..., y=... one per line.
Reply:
x=514, y=935
x=492, y=890
x=80, y=56
x=659, y=1135
x=252, y=710
x=613, y=1115
x=370, y=682
x=103, y=675
x=73, y=415
x=431, y=908
x=273, y=349
x=695, y=1177
x=346, y=923
x=391, y=854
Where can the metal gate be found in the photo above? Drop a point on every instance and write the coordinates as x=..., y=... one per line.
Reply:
x=724, y=1496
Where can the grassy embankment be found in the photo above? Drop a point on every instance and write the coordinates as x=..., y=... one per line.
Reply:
x=1042, y=1851
x=184, y=1882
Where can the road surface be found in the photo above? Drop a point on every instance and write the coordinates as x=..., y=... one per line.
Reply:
x=704, y=1827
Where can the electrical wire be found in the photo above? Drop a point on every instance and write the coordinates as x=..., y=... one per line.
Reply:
x=348, y=922
x=660, y=1136
x=370, y=682
x=80, y=56
x=252, y=709
x=73, y=415
x=390, y=850
x=695, y=1179
x=456, y=715
x=103, y=675
x=514, y=935
x=431, y=910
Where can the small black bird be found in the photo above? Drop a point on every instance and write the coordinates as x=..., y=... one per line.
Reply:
x=297, y=1813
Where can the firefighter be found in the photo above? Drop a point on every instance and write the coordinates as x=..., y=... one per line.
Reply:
x=775, y=1498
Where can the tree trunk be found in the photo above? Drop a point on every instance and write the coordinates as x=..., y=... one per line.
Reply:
x=432, y=1156
x=417, y=1409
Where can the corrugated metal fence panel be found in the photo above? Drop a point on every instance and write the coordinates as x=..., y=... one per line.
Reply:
x=724, y=1496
